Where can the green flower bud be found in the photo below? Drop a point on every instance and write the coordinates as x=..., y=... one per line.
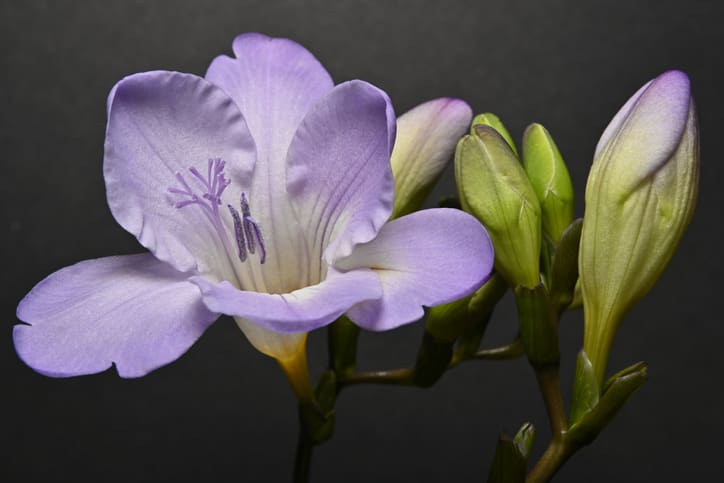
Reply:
x=549, y=176
x=494, y=188
x=490, y=119
x=640, y=197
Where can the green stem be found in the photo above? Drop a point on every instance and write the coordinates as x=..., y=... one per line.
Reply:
x=401, y=377
x=404, y=376
x=548, y=465
x=506, y=352
x=303, y=457
x=509, y=351
x=342, y=336
x=550, y=387
x=559, y=450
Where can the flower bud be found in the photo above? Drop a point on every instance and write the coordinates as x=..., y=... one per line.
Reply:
x=549, y=176
x=490, y=119
x=425, y=143
x=640, y=197
x=494, y=188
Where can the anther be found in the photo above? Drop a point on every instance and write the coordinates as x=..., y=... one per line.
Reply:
x=246, y=231
x=238, y=233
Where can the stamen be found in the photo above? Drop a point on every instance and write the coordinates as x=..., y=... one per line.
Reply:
x=259, y=240
x=238, y=233
x=248, y=224
x=246, y=231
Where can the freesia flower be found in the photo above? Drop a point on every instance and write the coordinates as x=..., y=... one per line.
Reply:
x=261, y=191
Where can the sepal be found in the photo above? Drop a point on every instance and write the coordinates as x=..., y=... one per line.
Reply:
x=510, y=462
x=591, y=418
x=448, y=321
x=564, y=271
x=524, y=439
x=586, y=391
x=317, y=416
x=538, y=325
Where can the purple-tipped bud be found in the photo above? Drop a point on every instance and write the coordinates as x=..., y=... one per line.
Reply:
x=640, y=197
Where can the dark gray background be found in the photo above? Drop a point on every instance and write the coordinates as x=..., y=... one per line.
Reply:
x=223, y=412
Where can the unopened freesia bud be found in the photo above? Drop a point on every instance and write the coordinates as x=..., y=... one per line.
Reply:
x=425, y=143
x=490, y=119
x=549, y=176
x=494, y=187
x=640, y=197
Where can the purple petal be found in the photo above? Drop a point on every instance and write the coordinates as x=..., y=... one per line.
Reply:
x=161, y=124
x=645, y=132
x=426, y=140
x=339, y=176
x=619, y=119
x=274, y=82
x=134, y=311
x=302, y=310
x=427, y=258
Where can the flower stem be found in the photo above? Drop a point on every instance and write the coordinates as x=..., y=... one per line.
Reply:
x=550, y=387
x=555, y=455
x=404, y=376
x=559, y=449
x=401, y=377
x=509, y=351
x=342, y=336
x=303, y=456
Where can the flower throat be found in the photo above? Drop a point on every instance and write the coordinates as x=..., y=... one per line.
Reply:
x=247, y=233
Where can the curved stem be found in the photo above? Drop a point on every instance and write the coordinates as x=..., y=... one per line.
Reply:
x=559, y=450
x=404, y=376
x=548, y=465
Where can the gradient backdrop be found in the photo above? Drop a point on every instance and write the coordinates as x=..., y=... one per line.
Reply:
x=223, y=412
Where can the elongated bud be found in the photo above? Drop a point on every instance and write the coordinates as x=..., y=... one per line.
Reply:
x=425, y=143
x=494, y=188
x=640, y=197
x=549, y=176
x=490, y=119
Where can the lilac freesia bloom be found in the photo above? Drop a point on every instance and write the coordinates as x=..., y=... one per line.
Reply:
x=261, y=192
